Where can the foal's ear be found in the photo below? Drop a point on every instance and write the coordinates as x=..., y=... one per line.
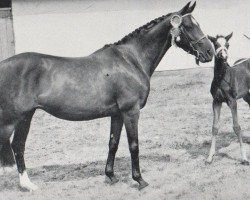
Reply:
x=212, y=39
x=229, y=36
x=185, y=9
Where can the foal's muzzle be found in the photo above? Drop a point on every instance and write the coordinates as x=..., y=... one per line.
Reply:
x=222, y=53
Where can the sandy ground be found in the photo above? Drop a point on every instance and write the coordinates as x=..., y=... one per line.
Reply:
x=67, y=159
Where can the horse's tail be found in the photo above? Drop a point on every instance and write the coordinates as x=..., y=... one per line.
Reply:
x=246, y=36
x=6, y=155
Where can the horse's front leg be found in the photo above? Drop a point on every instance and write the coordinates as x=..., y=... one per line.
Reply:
x=131, y=118
x=215, y=129
x=233, y=106
x=115, y=133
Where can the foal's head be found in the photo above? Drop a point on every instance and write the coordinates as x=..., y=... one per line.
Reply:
x=221, y=45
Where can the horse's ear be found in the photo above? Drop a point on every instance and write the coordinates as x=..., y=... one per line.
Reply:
x=212, y=39
x=229, y=36
x=190, y=10
x=184, y=10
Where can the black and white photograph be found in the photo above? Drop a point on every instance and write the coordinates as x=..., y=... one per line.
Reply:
x=124, y=99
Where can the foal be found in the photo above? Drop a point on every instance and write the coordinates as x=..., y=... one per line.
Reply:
x=229, y=84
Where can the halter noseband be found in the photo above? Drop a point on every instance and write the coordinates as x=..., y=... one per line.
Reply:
x=178, y=28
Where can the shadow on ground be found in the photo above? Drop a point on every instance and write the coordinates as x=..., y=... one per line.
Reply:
x=74, y=172
x=223, y=140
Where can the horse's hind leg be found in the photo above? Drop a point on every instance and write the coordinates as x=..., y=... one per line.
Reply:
x=18, y=146
x=6, y=155
x=215, y=129
x=115, y=133
x=233, y=106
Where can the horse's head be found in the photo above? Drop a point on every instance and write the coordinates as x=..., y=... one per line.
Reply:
x=186, y=34
x=221, y=45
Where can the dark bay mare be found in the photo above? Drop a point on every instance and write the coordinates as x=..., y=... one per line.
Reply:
x=229, y=84
x=113, y=81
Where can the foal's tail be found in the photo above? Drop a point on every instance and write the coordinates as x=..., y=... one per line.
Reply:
x=6, y=155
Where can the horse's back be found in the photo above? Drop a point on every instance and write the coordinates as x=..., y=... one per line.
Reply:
x=71, y=88
x=242, y=60
x=241, y=72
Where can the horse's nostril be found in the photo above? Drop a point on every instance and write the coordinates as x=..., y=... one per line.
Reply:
x=209, y=52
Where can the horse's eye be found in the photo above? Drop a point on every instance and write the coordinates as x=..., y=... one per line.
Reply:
x=190, y=28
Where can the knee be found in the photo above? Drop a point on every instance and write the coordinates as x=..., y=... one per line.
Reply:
x=113, y=145
x=134, y=148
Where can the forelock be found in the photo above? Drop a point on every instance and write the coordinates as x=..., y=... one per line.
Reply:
x=222, y=41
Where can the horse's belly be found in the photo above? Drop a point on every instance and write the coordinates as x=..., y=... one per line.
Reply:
x=75, y=106
x=79, y=113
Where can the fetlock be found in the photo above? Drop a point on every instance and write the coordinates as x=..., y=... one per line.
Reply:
x=215, y=130
x=237, y=129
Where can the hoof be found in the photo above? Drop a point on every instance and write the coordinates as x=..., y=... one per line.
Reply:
x=25, y=182
x=245, y=162
x=208, y=161
x=142, y=185
x=112, y=180
x=29, y=186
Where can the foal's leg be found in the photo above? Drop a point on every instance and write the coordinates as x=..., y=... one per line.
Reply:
x=131, y=118
x=233, y=106
x=115, y=133
x=215, y=129
x=18, y=146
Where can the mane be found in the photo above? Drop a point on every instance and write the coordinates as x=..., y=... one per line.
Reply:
x=137, y=31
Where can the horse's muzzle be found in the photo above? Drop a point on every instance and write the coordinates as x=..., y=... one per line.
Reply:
x=206, y=57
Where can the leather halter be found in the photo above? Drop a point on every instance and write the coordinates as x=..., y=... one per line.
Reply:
x=220, y=49
x=184, y=32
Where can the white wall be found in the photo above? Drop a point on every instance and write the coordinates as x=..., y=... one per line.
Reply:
x=77, y=28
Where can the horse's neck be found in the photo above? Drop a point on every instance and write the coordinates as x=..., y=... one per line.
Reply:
x=220, y=69
x=149, y=47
